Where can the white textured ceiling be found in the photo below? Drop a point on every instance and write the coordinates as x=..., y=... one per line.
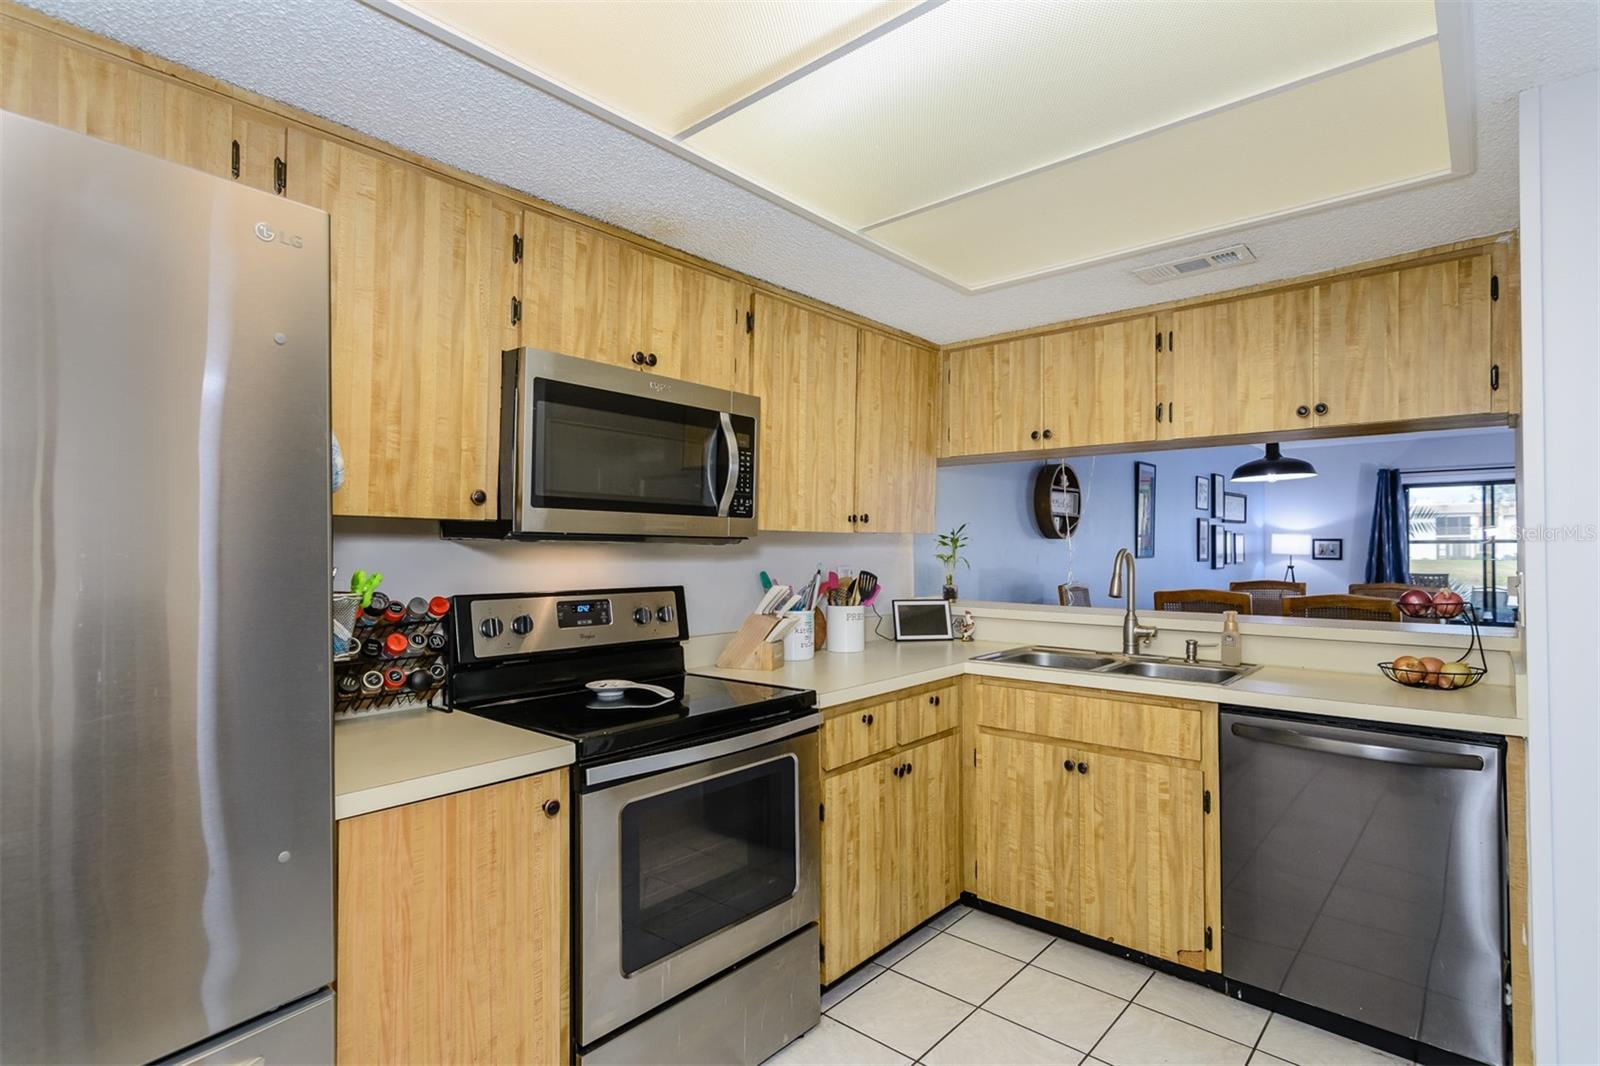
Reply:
x=357, y=66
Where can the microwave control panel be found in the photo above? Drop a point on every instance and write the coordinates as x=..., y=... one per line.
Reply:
x=744, y=487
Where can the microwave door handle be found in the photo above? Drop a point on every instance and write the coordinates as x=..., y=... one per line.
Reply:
x=725, y=501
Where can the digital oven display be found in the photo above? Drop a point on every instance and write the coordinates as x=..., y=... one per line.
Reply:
x=574, y=613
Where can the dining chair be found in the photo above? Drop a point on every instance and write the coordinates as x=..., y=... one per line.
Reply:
x=1338, y=605
x=1073, y=595
x=1202, y=601
x=1387, y=590
x=1430, y=581
x=1266, y=597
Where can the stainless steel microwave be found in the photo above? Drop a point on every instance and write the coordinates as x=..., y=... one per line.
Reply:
x=605, y=452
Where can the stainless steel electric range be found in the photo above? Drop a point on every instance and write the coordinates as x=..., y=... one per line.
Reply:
x=695, y=862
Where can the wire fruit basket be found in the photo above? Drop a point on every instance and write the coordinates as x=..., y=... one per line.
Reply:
x=1449, y=676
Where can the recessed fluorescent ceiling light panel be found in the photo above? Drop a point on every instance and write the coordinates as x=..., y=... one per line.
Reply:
x=987, y=143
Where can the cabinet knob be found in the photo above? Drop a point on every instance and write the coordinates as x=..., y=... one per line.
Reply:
x=637, y=358
x=865, y=518
x=552, y=808
x=1048, y=434
x=851, y=519
x=1083, y=768
x=1321, y=408
x=478, y=497
x=1303, y=411
x=1034, y=434
x=650, y=359
x=866, y=719
x=910, y=767
x=1067, y=766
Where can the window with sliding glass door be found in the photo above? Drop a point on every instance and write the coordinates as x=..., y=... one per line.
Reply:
x=1463, y=535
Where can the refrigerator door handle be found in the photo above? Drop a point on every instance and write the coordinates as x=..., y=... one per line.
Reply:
x=1398, y=754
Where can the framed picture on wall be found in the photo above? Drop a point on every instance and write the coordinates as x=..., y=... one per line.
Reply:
x=1219, y=546
x=1327, y=548
x=1144, y=510
x=1202, y=494
x=1202, y=539
x=1233, y=506
x=1219, y=486
x=1238, y=547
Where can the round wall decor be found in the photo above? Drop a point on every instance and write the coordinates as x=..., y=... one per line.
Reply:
x=1056, y=501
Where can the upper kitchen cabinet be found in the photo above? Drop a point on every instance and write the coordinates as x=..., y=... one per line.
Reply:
x=805, y=374
x=423, y=282
x=598, y=297
x=896, y=391
x=1405, y=344
x=1098, y=384
x=260, y=150
x=991, y=399
x=1236, y=367
x=70, y=85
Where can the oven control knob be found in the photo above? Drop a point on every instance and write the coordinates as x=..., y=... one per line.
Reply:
x=491, y=627
x=522, y=625
x=664, y=615
x=643, y=615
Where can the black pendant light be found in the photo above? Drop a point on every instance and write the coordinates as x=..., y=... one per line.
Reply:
x=1274, y=467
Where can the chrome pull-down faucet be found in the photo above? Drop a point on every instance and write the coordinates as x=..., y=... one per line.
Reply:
x=1133, y=634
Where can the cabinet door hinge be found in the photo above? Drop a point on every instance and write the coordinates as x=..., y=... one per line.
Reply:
x=749, y=321
x=1205, y=801
x=235, y=166
x=1494, y=378
x=516, y=311
x=822, y=952
x=1494, y=286
x=822, y=812
x=1158, y=340
x=280, y=176
x=974, y=869
x=974, y=756
x=1208, y=938
x=516, y=247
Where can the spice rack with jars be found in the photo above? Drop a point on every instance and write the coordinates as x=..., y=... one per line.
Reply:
x=396, y=658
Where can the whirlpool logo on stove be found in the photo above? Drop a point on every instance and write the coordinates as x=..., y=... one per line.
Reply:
x=265, y=232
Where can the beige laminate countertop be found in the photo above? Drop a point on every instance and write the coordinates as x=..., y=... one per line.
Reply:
x=392, y=759
x=884, y=666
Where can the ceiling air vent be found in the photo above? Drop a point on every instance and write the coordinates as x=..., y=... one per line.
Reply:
x=1233, y=255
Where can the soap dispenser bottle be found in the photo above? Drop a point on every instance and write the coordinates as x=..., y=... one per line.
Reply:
x=1231, y=650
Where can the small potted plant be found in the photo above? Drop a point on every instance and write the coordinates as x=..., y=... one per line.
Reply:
x=949, y=554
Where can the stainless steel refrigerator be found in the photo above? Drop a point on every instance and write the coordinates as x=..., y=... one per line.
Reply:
x=166, y=882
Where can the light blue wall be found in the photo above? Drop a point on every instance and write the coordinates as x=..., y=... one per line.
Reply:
x=1338, y=501
x=1012, y=563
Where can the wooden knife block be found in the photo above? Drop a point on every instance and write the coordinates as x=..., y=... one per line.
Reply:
x=749, y=649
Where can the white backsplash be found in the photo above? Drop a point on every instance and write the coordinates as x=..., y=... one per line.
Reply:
x=721, y=581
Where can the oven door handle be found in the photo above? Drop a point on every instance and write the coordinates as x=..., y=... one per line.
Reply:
x=731, y=442
x=668, y=760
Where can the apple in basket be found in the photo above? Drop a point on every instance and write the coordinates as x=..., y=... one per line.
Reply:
x=1447, y=603
x=1416, y=603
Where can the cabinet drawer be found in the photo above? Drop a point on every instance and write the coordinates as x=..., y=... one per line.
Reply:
x=926, y=713
x=1108, y=719
x=857, y=732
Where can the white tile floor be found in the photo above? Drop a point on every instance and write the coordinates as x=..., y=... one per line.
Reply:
x=970, y=988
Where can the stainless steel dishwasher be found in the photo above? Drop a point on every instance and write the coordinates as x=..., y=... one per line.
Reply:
x=1363, y=873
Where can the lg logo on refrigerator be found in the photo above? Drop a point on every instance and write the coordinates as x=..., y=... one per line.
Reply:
x=267, y=233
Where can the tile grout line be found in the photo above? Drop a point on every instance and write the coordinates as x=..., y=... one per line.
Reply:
x=1101, y=1039
x=869, y=1036
x=990, y=996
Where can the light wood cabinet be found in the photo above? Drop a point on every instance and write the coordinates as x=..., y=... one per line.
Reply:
x=597, y=297
x=891, y=826
x=1405, y=344
x=452, y=928
x=422, y=282
x=1237, y=367
x=926, y=713
x=1089, y=810
x=1025, y=827
x=1070, y=389
x=1139, y=854
x=260, y=150
x=55, y=81
x=805, y=375
x=897, y=386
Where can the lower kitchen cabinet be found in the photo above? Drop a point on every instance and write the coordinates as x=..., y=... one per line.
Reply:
x=1090, y=810
x=452, y=928
x=890, y=844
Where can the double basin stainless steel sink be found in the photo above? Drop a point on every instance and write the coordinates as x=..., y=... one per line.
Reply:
x=1099, y=662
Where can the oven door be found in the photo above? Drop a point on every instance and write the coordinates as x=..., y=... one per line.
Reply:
x=686, y=871
x=602, y=450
